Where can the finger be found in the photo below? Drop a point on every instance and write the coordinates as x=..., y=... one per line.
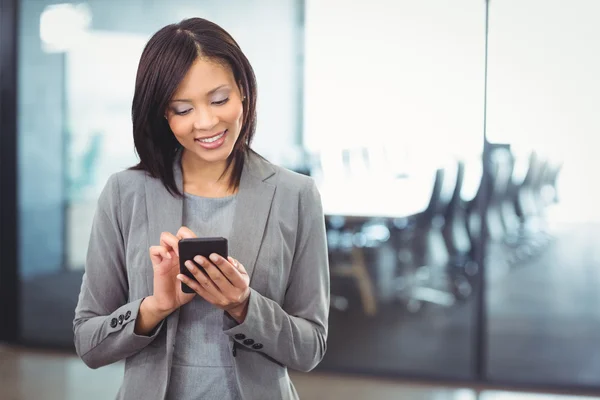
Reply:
x=217, y=276
x=202, y=278
x=185, y=233
x=198, y=288
x=158, y=253
x=227, y=270
x=238, y=265
x=170, y=241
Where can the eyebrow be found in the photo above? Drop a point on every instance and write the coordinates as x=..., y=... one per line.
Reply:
x=209, y=93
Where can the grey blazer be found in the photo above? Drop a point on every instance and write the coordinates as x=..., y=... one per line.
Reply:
x=279, y=236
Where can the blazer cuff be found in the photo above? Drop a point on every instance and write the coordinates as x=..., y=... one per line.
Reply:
x=247, y=333
x=124, y=319
x=104, y=340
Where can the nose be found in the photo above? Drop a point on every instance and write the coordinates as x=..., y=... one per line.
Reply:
x=205, y=119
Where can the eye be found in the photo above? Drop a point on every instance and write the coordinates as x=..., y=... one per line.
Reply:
x=221, y=102
x=183, y=112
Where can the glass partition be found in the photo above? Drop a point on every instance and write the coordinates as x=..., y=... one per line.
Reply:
x=393, y=120
x=544, y=261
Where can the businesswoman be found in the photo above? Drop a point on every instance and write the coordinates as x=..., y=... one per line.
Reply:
x=254, y=314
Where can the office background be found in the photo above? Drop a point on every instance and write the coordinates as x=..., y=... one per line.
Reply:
x=454, y=144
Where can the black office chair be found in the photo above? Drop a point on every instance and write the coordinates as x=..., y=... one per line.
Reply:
x=471, y=192
x=487, y=206
x=550, y=192
x=455, y=230
x=528, y=204
x=347, y=242
x=423, y=255
x=525, y=199
x=510, y=219
x=501, y=169
x=474, y=218
x=461, y=266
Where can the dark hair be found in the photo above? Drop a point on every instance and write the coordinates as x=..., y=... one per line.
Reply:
x=166, y=59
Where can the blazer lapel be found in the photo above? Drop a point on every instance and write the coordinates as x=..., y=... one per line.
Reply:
x=165, y=214
x=254, y=200
x=165, y=211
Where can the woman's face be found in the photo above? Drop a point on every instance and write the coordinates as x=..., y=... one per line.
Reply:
x=206, y=112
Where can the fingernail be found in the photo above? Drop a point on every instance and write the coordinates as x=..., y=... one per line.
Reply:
x=199, y=260
x=169, y=255
x=180, y=277
x=189, y=265
x=214, y=257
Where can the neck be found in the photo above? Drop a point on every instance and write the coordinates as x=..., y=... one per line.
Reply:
x=203, y=178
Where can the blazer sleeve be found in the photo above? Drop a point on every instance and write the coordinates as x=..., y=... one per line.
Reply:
x=295, y=333
x=104, y=319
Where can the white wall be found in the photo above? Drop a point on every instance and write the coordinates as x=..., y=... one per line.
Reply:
x=544, y=90
x=408, y=75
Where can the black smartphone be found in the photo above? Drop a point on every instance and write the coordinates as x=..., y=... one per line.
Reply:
x=192, y=247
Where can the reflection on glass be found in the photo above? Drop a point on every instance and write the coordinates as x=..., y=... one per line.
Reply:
x=100, y=78
x=543, y=259
x=62, y=26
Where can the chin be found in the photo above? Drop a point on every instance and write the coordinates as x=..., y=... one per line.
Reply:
x=213, y=156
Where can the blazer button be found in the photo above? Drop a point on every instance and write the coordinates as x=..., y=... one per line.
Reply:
x=113, y=323
x=127, y=315
x=248, y=342
x=121, y=318
x=240, y=336
x=257, y=346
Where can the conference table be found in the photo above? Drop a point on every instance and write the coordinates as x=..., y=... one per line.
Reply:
x=359, y=200
x=371, y=198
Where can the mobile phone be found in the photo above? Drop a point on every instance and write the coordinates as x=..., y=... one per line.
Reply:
x=192, y=247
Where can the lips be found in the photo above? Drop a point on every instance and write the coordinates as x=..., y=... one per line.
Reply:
x=213, y=138
x=212, y=142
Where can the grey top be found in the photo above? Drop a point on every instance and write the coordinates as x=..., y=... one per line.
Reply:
x=202, y=361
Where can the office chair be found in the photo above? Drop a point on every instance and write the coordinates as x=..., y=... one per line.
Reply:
x=422, y=253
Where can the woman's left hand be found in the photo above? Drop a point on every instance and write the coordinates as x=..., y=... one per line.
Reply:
x=224, y=283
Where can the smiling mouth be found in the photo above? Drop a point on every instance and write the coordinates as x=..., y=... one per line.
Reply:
x=212, y=138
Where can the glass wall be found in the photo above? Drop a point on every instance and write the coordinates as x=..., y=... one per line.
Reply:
x=393, y=119
x=77, y=70
x=544, y=259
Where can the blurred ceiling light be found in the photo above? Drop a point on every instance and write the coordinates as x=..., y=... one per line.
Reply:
x=62, y=26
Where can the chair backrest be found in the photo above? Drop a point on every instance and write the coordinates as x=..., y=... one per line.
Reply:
x=472, y=180
x=502, y=164
x=540, y=175
x=455, y=203
x=532, y=169
x=432, y=210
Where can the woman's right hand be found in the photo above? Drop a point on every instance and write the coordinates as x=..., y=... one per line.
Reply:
x=168, y=295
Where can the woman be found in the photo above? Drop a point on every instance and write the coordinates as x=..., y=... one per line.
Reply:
x=251, y=317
